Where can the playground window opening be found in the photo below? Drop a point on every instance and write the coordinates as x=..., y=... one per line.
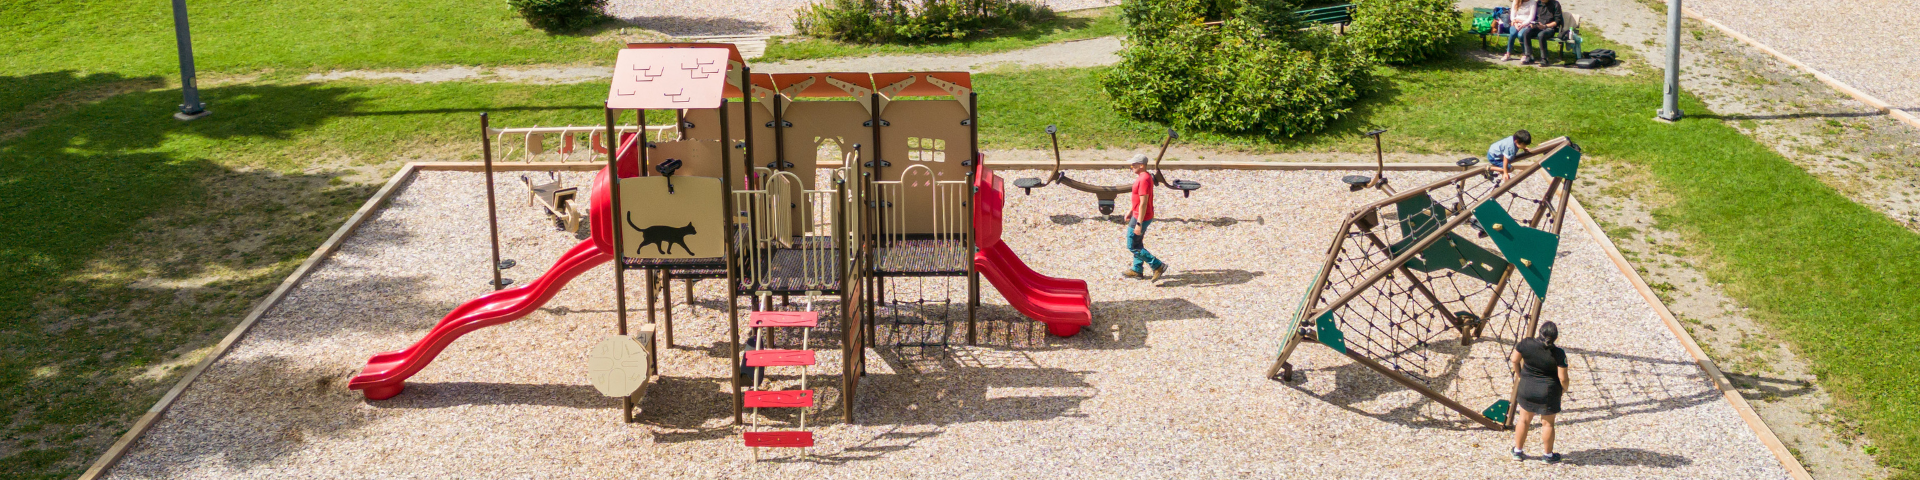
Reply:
x=926, y=149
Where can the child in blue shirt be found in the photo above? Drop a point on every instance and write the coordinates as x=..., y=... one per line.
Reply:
x=1504, y=150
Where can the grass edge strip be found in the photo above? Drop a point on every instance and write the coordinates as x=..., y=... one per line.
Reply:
x=1740, y=405
x=120, y=447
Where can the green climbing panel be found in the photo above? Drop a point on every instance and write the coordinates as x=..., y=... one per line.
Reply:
x=1329, y=334
x=1497, y=412
x=1564, y=163
x=1530, y=250
x=1420, y=217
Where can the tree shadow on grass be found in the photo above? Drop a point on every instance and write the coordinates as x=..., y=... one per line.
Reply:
x=80, y=195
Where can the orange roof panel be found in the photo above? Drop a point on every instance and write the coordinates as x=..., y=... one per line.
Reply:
x=920, y=86
x=821, y=88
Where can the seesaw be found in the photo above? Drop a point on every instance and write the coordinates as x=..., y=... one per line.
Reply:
x=1105, y=193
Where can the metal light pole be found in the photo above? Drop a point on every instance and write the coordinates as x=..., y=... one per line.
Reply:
x=190, y=106
x=1670, y=107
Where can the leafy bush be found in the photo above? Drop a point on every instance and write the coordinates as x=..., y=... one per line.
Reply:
x=1405, y=31
x=914, y=21
x=1256, y=72
x=560, y=15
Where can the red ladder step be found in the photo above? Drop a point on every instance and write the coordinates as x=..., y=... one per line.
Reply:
x=783, y=319
x=779, y=358
x=779, y=439
x=780, y=399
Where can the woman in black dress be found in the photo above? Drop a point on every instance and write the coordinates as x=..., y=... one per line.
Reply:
x=1542, y=371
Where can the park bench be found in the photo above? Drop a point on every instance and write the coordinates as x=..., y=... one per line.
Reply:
x=1330, y=15
x=1486, y=24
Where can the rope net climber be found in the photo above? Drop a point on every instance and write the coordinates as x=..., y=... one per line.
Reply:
x=1418, y=284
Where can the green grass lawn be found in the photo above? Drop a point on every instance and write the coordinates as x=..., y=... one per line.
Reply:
x=1076, y=25
x=53, y=46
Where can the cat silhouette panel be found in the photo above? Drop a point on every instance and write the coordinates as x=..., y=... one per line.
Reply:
x=684, y=222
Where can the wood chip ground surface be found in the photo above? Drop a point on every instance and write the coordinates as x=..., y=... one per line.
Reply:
x=1166, y=383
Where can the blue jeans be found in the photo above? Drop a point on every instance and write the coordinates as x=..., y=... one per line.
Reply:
x=1518, y=33
x=1137, y=244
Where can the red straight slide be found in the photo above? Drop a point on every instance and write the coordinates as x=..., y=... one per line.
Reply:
x=385, y=374
x=1063, y=304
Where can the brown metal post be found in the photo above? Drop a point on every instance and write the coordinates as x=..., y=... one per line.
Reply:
x=1313, y=292
x=973, y=239
x=619, y=266
x=732, y=260
x=666, y=304
x=1422, y=388
x=1534, y=304
x=746, y=125
x=613, y=191
x=779, y=125
x=1507, y=275
x=493, y=216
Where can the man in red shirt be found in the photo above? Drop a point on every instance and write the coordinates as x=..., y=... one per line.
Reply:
x=1138, y=218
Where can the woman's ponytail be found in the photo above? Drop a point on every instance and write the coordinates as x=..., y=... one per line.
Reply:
x=1549, y=332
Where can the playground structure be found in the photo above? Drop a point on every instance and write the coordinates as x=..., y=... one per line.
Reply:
x=737, y=190
x=1105, y=194
x=1407, y=274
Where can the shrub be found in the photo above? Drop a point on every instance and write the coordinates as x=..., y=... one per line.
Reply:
x=914, y=21
x=1405, y=31
x=560, y=16
x=1257, y=72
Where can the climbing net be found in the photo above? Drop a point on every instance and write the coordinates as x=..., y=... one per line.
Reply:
x=1421, y=316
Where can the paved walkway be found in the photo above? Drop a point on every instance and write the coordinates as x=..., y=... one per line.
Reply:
x=1869, y=44
x=749, y=17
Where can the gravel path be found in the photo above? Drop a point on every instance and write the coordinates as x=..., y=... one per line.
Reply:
x=1091, y=52
x=755, y=17
x=1167, y=383
x=1868, y=44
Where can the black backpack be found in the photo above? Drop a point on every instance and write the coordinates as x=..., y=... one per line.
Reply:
x=1597, y=59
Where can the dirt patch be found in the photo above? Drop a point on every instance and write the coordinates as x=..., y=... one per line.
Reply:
x=39, y=113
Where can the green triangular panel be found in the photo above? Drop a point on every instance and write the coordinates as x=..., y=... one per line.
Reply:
x=1564, y=163
x=1329, y=334
x=1455, y=253
x=1420, y=217
x=1530, y=250
x=1497, y=412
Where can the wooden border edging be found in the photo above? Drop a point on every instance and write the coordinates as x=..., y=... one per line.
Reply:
x=1311, y=166
x=1857, y=94
x=1740, y=405
x=140, y=427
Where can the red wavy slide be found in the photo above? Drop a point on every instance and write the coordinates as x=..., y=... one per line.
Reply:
x=1063, y=304
x=386, y=373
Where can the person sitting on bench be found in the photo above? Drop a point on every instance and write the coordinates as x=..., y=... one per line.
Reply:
x=1519, y=24
x=1503, y=151
x=1546, y=24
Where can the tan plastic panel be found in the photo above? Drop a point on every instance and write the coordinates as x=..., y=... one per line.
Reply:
x=686, y=223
